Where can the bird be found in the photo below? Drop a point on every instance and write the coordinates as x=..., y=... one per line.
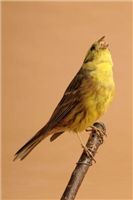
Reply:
x=86, y=99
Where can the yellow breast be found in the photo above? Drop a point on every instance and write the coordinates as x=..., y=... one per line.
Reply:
x=97, y=94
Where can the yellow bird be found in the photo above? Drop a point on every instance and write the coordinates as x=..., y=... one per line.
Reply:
x=85, y=100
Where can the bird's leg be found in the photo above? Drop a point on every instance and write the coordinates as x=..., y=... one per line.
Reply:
x=87, y=151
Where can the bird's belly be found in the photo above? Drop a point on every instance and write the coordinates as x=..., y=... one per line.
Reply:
x=94, y=106
x=90, y=108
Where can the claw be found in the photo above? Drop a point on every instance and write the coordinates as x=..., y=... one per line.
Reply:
x=98, y=131
x=88, y=152
x=87, y=130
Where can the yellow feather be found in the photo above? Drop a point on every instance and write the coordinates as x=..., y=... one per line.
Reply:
x=85, y=100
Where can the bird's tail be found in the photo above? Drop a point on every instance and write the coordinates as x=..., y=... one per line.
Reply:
x=31, y=144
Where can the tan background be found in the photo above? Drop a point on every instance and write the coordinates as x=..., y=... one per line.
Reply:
x=43, y=46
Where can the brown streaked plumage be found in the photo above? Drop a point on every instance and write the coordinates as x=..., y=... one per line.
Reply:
x=86, y=98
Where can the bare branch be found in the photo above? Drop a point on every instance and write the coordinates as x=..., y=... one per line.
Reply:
x=93, y=143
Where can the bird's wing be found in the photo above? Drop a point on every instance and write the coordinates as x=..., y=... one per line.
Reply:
x=69, y=100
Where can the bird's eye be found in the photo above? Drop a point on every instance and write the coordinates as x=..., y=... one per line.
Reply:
x=92, y=48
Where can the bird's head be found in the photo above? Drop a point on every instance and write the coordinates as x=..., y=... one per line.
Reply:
x=98, y=52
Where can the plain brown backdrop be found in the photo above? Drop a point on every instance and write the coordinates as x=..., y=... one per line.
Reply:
x=43, y=46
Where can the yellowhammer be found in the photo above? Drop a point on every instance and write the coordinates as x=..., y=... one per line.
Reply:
x=87, y=98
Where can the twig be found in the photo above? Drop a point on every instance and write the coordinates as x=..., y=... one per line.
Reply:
x=93, y=143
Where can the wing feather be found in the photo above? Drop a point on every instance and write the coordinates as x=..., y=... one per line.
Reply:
x=69, y=100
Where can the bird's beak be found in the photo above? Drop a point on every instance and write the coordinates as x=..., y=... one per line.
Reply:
x=102, y=44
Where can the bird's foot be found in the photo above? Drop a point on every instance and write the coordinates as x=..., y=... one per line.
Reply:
x=86, y=149
x=99, y=132
x=88, y=152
